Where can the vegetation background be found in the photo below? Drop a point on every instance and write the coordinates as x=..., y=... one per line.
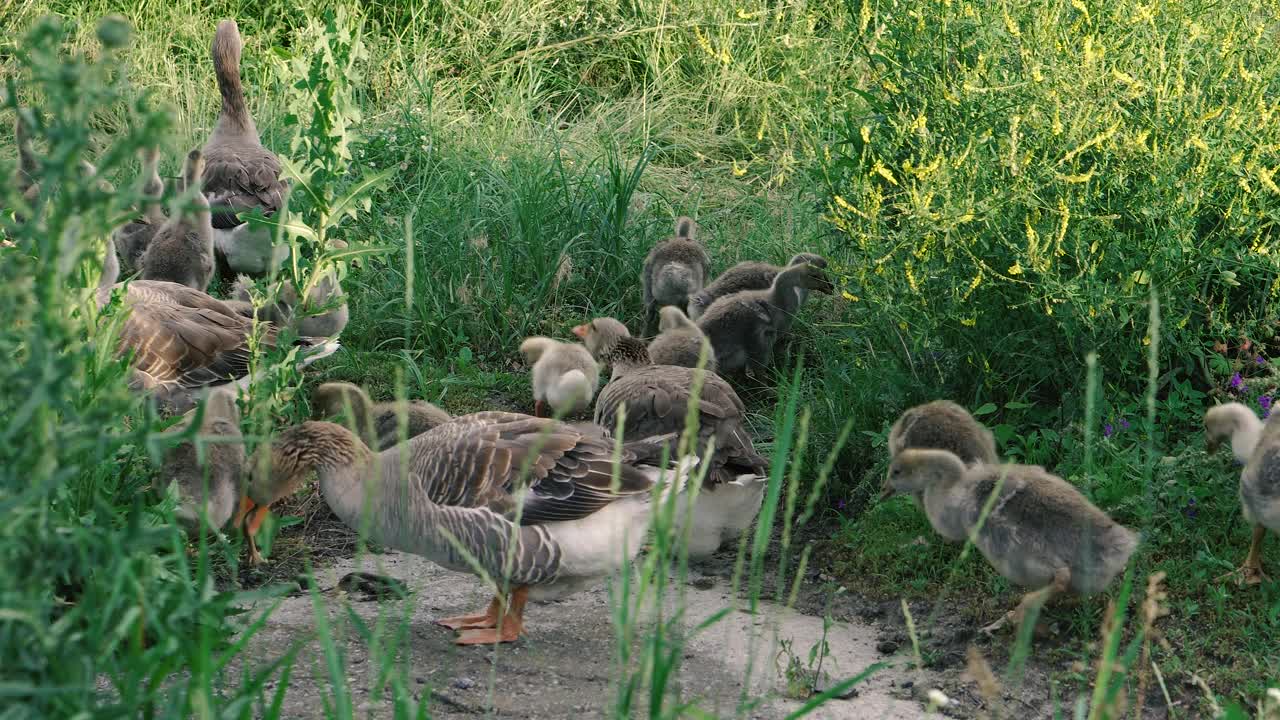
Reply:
x=1002, y=187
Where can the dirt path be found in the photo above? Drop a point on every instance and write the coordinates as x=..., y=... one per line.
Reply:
x=566, y=665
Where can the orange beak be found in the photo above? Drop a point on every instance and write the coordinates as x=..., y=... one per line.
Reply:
x=580, y=331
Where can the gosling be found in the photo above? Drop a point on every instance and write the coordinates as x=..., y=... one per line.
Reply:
x=674, y=270
x=749, y=275
x=1034, y=528
x=565, y=375
x=680, y=342
x=743, y=327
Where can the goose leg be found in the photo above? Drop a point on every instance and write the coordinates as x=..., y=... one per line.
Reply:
x=1250, y=573
x=251, y=529
x=1035, y=599
x=487, y=619
x=245, y=506
x=538, y=409
x=509, y=627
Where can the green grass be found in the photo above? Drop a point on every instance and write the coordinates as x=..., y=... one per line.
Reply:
x=536, y=153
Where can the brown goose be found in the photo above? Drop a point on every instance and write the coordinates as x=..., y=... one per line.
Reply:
x=565, y=375
x=1040, y=531
x=133, y=237
x=184, y=341
x=182, y=249
x=378, y=423
x=942, y=425
x=1257, y=446
x=240, y=174
x=749, y=275
x=674, y=270
x=609, y=342
x=208, y=477
x=744, y=326
x=656, y=398
x=680, y=341
x=564, y=528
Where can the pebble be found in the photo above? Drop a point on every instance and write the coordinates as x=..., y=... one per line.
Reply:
x=886, y=647
x=463, y=683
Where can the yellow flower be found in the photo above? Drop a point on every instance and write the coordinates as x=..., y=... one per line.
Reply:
x=1015, y=268
x=969, y=322
x=866, y=134
x=849, y=296
x=743, y=14
x=884, y=172
x=739, y=171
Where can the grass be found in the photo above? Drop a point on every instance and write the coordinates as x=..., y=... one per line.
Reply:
x=534, y=154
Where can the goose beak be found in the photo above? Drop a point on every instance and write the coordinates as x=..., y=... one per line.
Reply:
x=580, y=331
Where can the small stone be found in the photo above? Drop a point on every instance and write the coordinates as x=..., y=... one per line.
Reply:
x=420, y=680
x=886, y=647
x=463, y=683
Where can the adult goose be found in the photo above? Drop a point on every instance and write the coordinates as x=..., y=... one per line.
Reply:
x=656, y=398
x=184, y=341
x=239, y=173
x=530, y=500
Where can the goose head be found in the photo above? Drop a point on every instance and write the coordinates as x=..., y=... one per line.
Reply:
x=914, y=470
x=601, y=335
x=280, y=468
x=1235, y=423
x=673, y=318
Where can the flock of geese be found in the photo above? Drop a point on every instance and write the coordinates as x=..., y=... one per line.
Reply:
x=549, y=506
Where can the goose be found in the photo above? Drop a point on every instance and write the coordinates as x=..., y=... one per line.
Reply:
x=324, y=314
x=26, y=175
x=656, y=398
x=378, y=423
x=674, y=269
x=1039, y=532
x=208, y=477
x=183, y=340
x=133, y=237
x=464, y=505
x=240, y=174
x=609, y=342
x=1257, y=446
x=749, y=275
x=680, y=341
x=565, y=375
x=182, y=249
x=744, y=326
x=942, y=425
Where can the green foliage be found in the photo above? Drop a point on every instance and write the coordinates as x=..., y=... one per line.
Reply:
x=1024, y=172
x=98, y=602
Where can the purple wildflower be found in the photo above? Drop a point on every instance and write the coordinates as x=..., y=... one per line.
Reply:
x=1191, y=510
x=1107, y=430
x=1260, y=360
x=1124, y=424
x=1264, y=402
x=1236, y=382
x=840, y=504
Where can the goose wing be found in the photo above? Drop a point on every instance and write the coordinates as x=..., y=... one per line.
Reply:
x=537, y=469
x=238, y=178
x=657, y=399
